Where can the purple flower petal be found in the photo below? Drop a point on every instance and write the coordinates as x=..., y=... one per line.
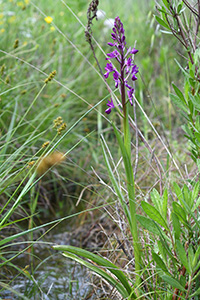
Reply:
x=111, y=44
x=113, y=54
x=134, y=51
x=110, y=105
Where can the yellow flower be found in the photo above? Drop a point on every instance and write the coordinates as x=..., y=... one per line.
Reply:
x=2, y=30
x=1, y=15
x=27, y=1
x=20, y=4
x=52, y=28
x=48, y=19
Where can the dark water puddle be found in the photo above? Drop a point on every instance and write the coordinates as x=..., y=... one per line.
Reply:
x=54, y=276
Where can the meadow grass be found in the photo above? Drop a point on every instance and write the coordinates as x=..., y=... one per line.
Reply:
x=31, y=49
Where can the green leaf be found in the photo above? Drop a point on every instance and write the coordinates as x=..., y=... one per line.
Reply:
x=182, y=69
x=180, y=212
x=178, y=191
x=159, y=262
x=196, y=204
x=162, y=250
x=178, y=102
x=156, y=199
x=196, y=258
x=162, y=23
x=179, y=93
x=165, y=200
x=165, y=2
x=154, y=214
x=149, y=224
x=100, y=261
x=179, y=8
x=182, y=196
x=195, y=100
x=190, y=257
x=182, y=255
x=195, y=193
x=176, y=225
x=173, y=282
x=101, y=273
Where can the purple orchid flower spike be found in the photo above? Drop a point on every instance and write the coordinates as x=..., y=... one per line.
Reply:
x=124, y=57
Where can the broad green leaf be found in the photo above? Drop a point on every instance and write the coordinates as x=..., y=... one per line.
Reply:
x=190, y=256
x=162, y=23
x=162, y=251
x=176, y=225
x=159, y=262
x=165, y=200
x=182, y=255
x=173, y=282
x=179, y=8
x=149, y=225
x=179, y=93
x=178, y=102
x=195, y=100
x=187, y=195
x=156, y=199
x=100, y=261
x=154, y=214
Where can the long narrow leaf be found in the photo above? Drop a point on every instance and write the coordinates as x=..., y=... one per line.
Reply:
x=100, y=272
x=100, y=261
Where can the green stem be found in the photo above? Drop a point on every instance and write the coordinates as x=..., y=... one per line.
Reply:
x=131, y=195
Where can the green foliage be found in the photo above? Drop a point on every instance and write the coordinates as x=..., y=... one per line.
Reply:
x=124, y=288
x=166, y=247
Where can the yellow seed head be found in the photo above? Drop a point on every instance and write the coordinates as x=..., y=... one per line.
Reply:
x=57, y=122
x=45, y=144
x=50, y=77
x=31, y=163
x=61, y=128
